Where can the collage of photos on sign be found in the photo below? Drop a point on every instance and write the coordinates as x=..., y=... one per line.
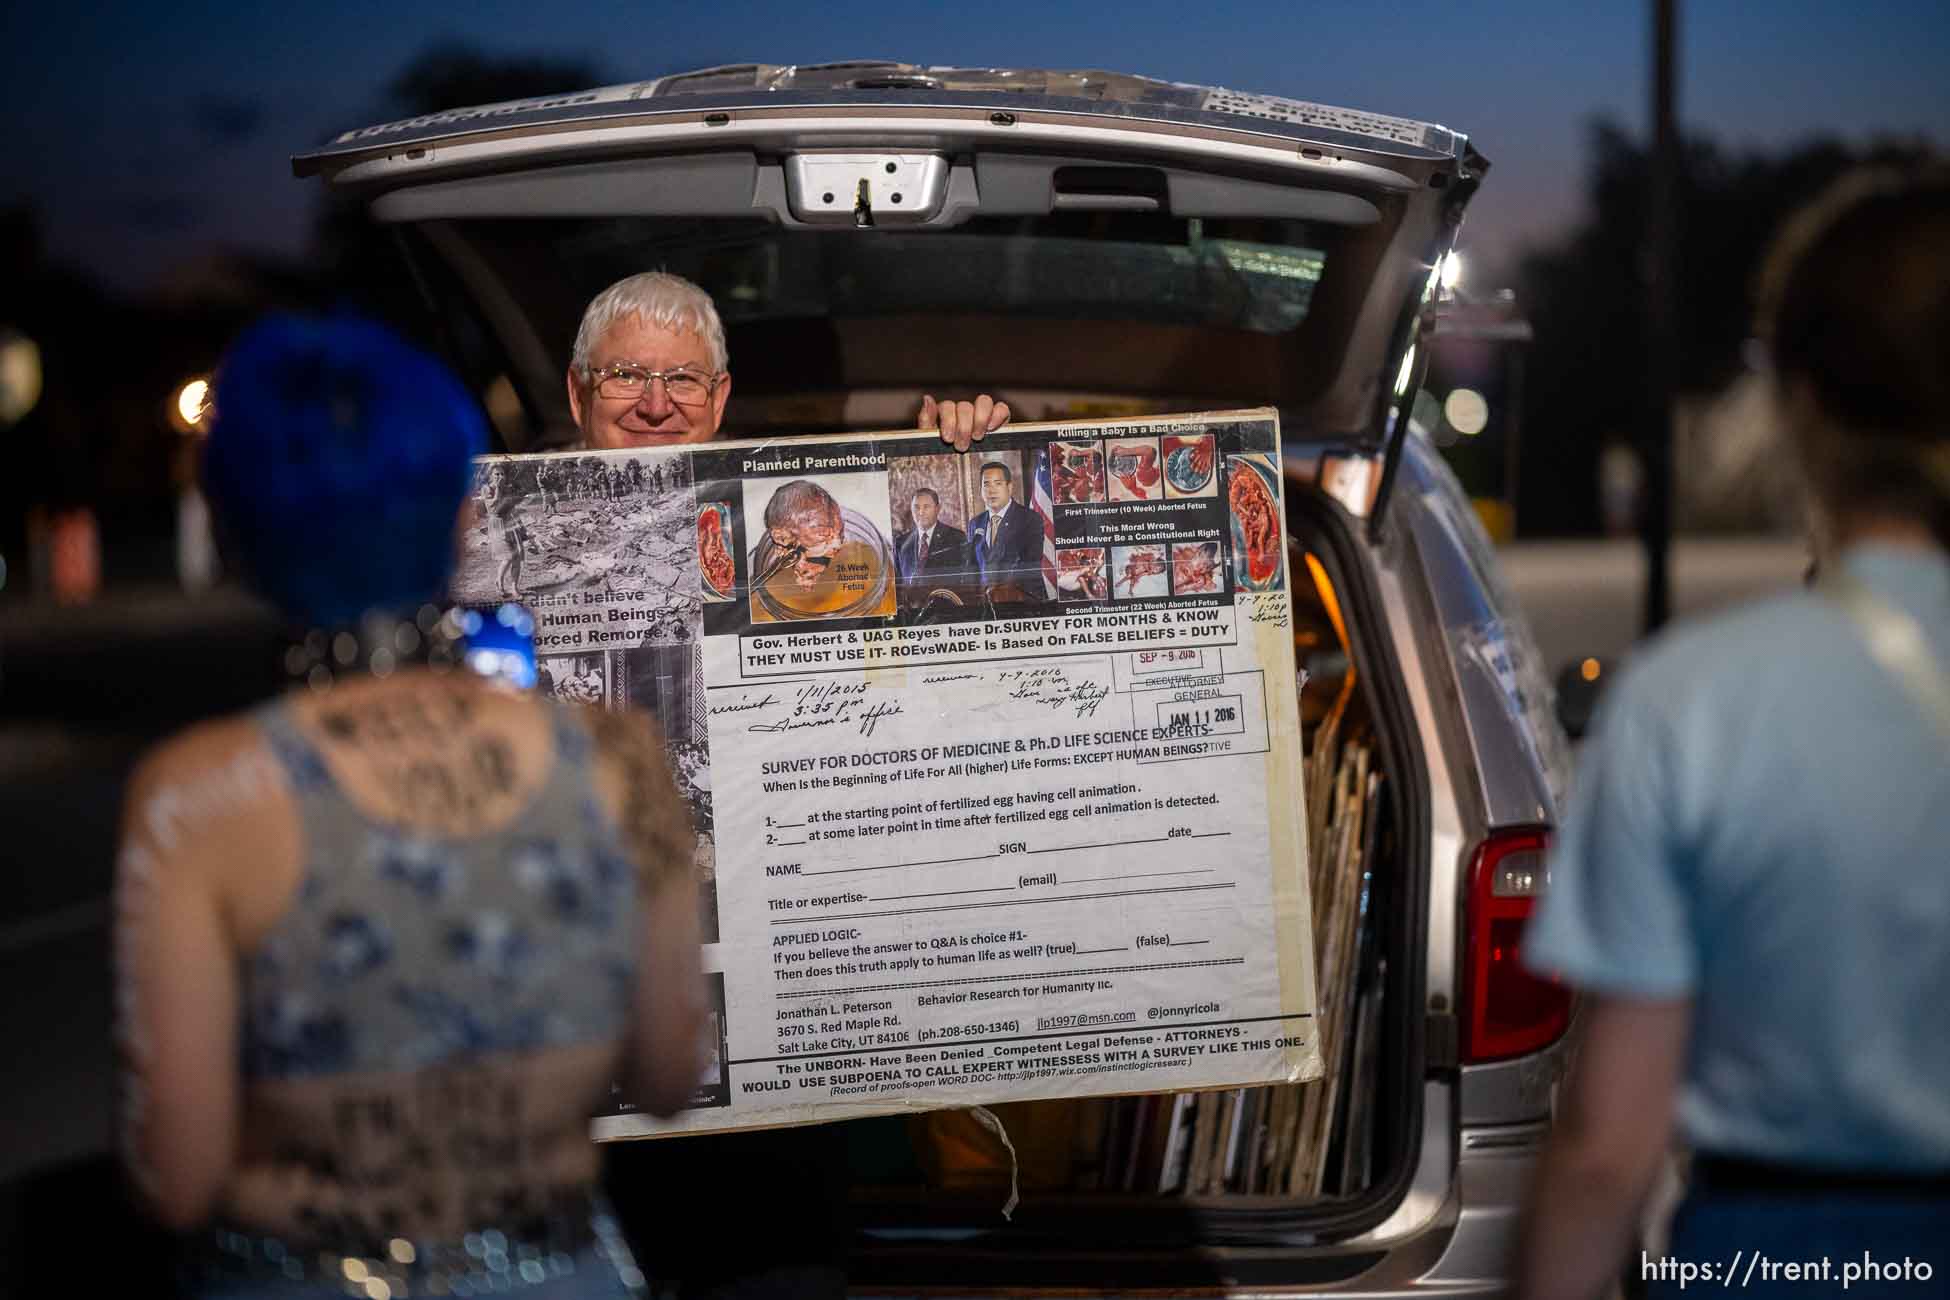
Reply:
x=578, y=678
x=937, y=536
x=820, y=548
x=602, y=534
x=584, y=525
x=1077, y=477
x=1171, y=467
x=1253, y=506
x=1141, y=571
x=947, y=535
x=1080, y=573
x=969, y=530
x=1134, y=470
x=1191, y=462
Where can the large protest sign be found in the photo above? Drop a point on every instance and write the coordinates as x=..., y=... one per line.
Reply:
x=994, y=757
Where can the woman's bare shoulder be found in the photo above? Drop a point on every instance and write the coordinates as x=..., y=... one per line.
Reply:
x=203, y=779
x=203, y=746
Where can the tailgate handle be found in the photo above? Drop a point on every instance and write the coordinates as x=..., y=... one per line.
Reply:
x=1108, y=189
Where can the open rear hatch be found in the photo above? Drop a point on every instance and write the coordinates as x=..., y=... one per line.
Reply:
x=1197, y=243
x=1079, y=244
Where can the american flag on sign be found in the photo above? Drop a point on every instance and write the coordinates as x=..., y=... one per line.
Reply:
x=1043, y=502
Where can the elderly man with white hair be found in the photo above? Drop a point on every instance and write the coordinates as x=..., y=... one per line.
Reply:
x=649, y=370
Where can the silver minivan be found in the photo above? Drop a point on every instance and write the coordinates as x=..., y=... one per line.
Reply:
x=1085, y=243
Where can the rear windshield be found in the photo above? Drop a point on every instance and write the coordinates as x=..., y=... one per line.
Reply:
x=1188, y=272
x=1181, y=311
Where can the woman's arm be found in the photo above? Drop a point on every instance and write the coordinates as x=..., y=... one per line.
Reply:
x=667, y=1052
x=1613, y=1130
x=176, y=967
x=667, y=1055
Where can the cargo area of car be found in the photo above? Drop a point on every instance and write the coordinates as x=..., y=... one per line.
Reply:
x=1227, y=1187
x=1158, y=1181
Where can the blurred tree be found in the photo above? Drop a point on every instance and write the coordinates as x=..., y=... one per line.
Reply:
x=455, y=75
x=361, y=260
x=54, y=448
x=1587, y=374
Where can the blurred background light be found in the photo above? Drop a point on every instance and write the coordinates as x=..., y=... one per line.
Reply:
x=20, y=377
x=190, y=407
x=1451, y=270
x=1467, y=411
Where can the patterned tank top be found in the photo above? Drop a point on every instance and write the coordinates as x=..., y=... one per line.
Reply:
x=406, y=950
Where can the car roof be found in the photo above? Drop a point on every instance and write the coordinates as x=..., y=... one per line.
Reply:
x=1090, y=93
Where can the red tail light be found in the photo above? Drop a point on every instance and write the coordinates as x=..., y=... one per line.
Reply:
x=1508, y=1011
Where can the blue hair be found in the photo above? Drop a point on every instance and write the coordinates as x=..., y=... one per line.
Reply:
x=337, y=461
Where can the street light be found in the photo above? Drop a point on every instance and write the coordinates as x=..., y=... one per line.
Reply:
x=189, y=408
x=20, y=377
x=1467, y=411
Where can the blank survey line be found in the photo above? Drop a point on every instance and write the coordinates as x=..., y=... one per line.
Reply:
x=888, y=898
x=1186, y=943
x=786, y=844
x=1005, y=902
x=1089, y=952
x=1141, y=875
x=896, y=866
x=1118, y=844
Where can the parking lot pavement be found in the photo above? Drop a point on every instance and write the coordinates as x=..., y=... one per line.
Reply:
x=59, y=797
x=82, y=693
x=1586, y=598
x=55, y=1094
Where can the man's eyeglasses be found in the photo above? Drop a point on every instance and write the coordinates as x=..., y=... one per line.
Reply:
x=686, y=387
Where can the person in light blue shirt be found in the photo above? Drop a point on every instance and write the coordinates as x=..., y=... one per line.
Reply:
x=1752, y=889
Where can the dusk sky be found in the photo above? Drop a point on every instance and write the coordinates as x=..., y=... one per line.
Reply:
x=147, y=136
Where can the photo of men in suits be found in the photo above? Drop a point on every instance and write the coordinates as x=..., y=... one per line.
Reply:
x=931, y=550
x=1005, y=541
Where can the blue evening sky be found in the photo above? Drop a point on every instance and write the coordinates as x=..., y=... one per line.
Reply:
x=147, y=136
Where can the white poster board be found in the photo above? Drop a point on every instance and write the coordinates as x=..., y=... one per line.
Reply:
x=994, y=757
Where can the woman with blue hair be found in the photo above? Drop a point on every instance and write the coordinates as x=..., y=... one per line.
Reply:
x=384, y=944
